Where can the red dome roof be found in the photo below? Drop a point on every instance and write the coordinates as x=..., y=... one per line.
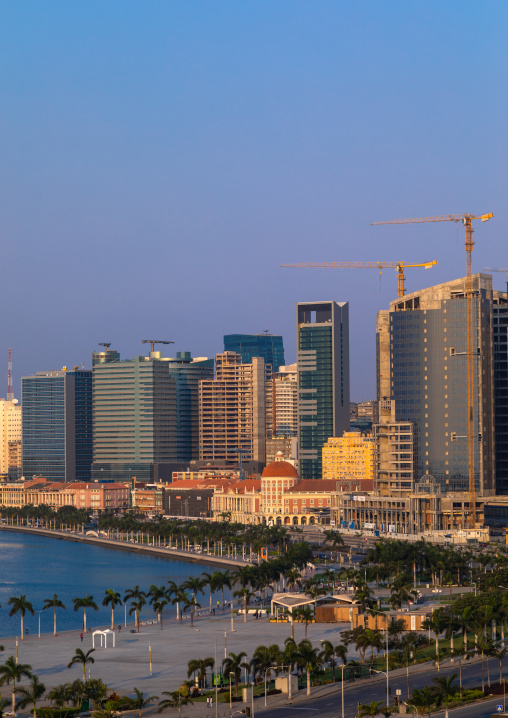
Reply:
x=279, y=469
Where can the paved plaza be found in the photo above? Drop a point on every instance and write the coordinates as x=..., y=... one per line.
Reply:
x=127, y=665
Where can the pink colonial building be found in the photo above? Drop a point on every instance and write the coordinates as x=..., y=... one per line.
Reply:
x=95, y=497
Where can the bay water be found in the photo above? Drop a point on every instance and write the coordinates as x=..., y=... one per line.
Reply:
x=39, y=566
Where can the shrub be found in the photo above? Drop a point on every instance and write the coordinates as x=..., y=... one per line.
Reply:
x=48, y=712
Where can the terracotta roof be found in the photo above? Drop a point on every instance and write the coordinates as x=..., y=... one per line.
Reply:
x=185, y=484
x=313, y=485
x=279, y=469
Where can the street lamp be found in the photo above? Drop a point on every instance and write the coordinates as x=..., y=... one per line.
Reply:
x=39, y=612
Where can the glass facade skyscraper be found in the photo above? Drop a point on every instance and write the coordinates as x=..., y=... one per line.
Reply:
x=268, y=346
x=134, y=419
x=323, y=380
x=57, y=425
x=187, y=373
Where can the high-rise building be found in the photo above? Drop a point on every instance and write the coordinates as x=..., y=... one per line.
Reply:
x=10, y=439
x=285, y=401
x=500, y=329
x=232, y=412
x=396, y=453
x=349, y=457
x=188, y=372
x=56, y=411
x=268, y=346
x=134, y=419
x=422, y=368
x=323, y=380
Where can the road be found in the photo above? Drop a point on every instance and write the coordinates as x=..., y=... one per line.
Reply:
x=365, y=691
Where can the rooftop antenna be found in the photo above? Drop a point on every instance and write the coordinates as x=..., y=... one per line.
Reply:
x=10, y=393
x=105, y=344
x=154, y=341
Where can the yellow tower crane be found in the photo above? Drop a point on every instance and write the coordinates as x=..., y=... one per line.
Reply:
x=467, y=221
x=398, y=266
x=496, y=269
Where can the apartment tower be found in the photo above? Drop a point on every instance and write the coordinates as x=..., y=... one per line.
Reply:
x=232, y=410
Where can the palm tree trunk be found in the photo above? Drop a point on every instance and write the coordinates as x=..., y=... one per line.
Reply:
x=112, y=618
x=54, y=621
x=84, y=618
x=488, y=671
x=245, y=609
x=13, y=697
x=483, y=674
x=308, y=682
x=22, y=637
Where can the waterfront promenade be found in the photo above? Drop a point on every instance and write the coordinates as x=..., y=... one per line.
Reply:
x=160, y=551
x=127, y=665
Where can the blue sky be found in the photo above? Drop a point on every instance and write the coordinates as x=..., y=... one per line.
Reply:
x=161, y=159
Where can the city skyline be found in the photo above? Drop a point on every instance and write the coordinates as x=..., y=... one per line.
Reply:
x=160, y=166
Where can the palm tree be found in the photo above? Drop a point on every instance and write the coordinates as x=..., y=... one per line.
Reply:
x=210, y=580
x=158, y=600
x=199, y=666
x=485, y=646
x=423, y=699
x=371, y=709
x=233, y=665
x=445, y=689
x=140, y=702
x=175, y=699
x=19, y=603
x=10, y=672
x=32, y=694
x=266, y=656
x=308, y=658
x=500, y=653
x=53, y=603
x=3, y=705
x=112, y=598
x=138, y=600
x=191, y=604
x=84, y=658
x=59, y=695
x=305, y=614
x=194, y=584
x=84, y=603
x=437, y=624
x=223, y=581
x=245, y=595
x=179, y=597
x=330, y=652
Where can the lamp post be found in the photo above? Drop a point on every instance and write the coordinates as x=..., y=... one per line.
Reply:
x=39, y=612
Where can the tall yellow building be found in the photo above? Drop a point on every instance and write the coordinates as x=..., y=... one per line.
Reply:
x=350, y=456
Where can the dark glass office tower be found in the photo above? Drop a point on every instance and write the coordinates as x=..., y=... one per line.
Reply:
x=323, y=380
x=57, y=425
x=422, y=367
x=187, y=373
x=268, y=346
x=500, y=326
